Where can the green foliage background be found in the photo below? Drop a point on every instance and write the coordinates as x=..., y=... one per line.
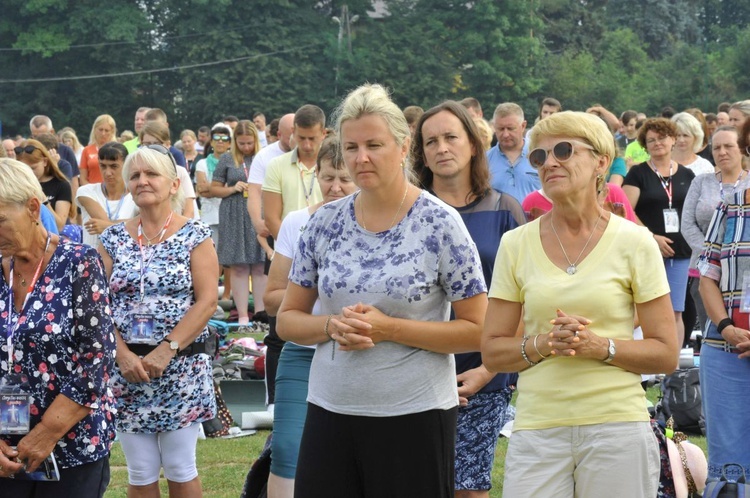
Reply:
x=238, y=57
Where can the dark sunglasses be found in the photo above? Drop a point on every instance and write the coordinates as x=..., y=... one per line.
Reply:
x=29, y=149
x=562, y=152
x=163, y=150
x=221, y=138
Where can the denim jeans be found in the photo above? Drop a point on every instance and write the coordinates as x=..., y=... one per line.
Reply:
x=725, y=390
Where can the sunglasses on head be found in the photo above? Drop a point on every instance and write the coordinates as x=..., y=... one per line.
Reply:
x=29, y=149
x=562, y=152
x=163, y=150
x=221, y=138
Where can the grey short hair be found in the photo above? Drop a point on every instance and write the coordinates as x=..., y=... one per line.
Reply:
x=18, y=183
x=40, y=120
x=508, y=109
x=162, y=165
x=687, y=123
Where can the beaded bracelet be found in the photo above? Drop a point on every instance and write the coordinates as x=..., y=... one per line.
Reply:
x=539, y=352
x=325, y=329
x=523, y=352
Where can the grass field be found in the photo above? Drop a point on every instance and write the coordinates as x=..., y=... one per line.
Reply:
x=223, y=464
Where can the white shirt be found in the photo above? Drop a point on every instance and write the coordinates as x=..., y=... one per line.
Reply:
x=209, y=205
x=94, y=191
x=260, y=162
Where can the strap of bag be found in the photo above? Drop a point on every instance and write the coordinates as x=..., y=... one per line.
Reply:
x=678, y=438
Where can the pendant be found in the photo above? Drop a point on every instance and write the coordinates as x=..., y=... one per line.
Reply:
x=571, y=269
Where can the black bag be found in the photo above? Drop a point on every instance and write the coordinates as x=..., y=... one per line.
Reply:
x=681, y=400
x=256, y=481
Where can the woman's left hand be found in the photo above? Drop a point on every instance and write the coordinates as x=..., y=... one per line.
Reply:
x=157, y=360
x=570, y=336
x=35, y=447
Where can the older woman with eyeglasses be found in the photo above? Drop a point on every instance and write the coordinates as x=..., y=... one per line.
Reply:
x=162, y=277
x=657, y=190
x=574, y=278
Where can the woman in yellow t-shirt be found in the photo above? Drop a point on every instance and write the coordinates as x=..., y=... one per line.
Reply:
x=574, y=278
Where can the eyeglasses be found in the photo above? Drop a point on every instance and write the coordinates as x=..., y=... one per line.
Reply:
x=221, y=138
x=29, y=149
x=163, y=150
x=562, y=152
x=652, y=141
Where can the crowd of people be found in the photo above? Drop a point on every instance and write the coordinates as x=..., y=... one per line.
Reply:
x=411, y=268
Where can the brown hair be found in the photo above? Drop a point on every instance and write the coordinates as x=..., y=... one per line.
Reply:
x=480, y=172
x=662, y=126
x=742, y=137
x=39, y=154
x=244, y=128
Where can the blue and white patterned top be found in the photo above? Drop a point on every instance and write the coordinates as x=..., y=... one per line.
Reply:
x=184, y=394
x=413, y=271
x=65, y=344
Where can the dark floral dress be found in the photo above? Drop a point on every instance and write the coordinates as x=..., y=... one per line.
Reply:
x=184, y=394
x=65, y=344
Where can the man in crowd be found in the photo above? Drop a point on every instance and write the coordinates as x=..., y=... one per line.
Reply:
x=259, y=120
x=510, y=170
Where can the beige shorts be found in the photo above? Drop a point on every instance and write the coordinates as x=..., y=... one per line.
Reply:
x=588, y=461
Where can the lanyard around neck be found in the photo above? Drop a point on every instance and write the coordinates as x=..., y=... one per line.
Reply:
x=145, y=264
x=12, y=329
x=305, y=190
x=112, y=217
x=665, y=182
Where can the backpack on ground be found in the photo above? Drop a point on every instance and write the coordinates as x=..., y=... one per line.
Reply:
x=681, y=400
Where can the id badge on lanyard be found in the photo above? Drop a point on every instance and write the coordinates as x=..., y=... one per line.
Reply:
x=671, y=221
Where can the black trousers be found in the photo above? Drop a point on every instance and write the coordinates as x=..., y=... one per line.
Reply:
x=274, y=345
x=406, y=456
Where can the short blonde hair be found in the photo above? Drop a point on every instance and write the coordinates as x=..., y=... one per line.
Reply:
x=162, y=164
x=579, y=125
x=486, y=132
x=103, y=118
x=688, y=124
x=18, y=183
x=373, y=100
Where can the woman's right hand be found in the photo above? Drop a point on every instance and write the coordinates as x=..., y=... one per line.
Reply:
x=131, y=367
x=664, y=245
x=240, y=186
x=739, y=338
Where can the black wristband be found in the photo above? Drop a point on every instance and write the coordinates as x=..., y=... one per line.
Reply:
x=724, y=324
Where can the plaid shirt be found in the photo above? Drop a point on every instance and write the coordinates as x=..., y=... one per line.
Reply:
x=726, y=253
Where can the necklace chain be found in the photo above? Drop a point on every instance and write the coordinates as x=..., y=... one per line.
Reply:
x=362, y=209
x=572, y=267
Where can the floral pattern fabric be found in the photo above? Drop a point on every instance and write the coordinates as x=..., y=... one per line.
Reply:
x=65, y=344
x=184, y=394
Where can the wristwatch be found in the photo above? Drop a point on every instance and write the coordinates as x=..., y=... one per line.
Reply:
x=611, y=351
x=173, y=345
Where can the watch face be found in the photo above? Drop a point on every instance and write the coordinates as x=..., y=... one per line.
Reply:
x=174, y=345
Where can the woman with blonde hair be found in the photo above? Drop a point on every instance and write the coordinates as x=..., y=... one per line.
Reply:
x=157, y=133
x=579, y=387
x=239, y=248
x=69, y=138
x=387, y=264
x=162, y=279
x=54, y=183
x=690, y=140
x=104, y=130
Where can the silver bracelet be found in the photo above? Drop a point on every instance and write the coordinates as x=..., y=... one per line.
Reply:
x=325, y=329
x=523, y=352
x=539, y=352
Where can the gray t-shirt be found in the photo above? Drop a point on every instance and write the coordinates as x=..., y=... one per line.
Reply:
x=414, y=271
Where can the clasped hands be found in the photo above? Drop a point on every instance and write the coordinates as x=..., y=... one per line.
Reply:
x=151, y=366
x=570, y=336
x=360, y=326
